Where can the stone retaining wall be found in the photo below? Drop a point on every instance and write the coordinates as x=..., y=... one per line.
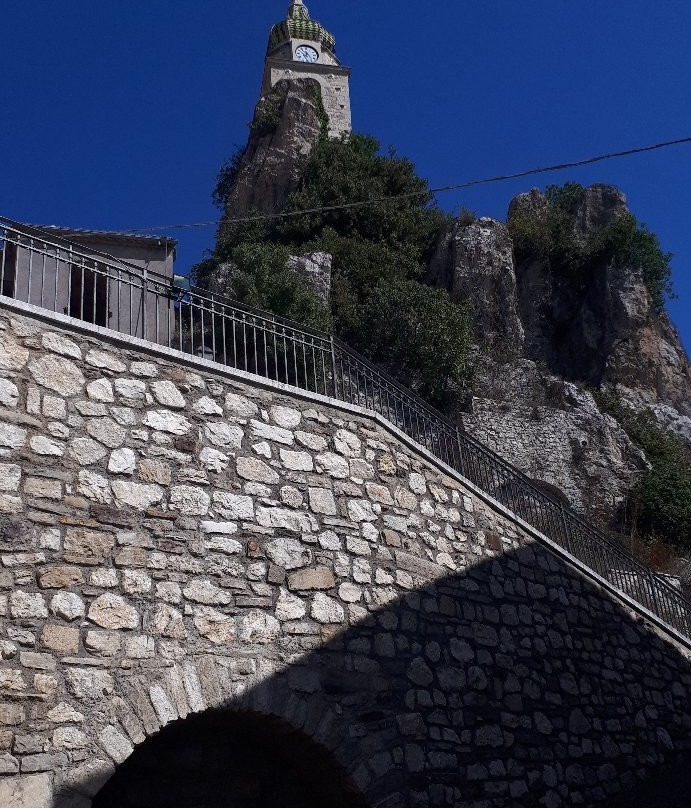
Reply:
x=175, y=541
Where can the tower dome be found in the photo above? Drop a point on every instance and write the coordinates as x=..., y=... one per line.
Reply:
x=299, y=25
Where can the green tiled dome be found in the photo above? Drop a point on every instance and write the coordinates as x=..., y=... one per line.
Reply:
x=298, y=25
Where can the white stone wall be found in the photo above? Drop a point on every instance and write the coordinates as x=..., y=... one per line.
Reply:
x=173, y=541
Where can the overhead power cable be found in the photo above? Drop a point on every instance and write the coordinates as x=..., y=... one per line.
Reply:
x=415, y=194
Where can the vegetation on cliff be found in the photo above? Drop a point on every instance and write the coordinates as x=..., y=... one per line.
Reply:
x=552, y=236
x=659, y=507
x=380, y=252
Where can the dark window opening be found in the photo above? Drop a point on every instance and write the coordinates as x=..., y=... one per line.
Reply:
x=88, y=296
x=8, y=268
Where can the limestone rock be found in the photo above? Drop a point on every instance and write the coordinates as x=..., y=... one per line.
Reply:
x=611, y=331
x=122, y=461
x=206, y=593
x=105, y=360
x=232, y=506
x=154, y=471
x=67, y=605
x=13, y=355
x=217, y=627
x=9, y=394
x=13, y=437
x=60, y=344
x=286, y=417
x=326, y=610
x=240, y=406
x=10, y=476
x=322, y=501
x=305, y=580
x=475, y=262
x=213, y=460
x=297, y=461
x=46, y=446
x=95, y=487
x=249, y=468
x=258, y=628
x=27, y=604
x=100, y=390
x=225, y=436
x=167, y=621
x=87, y=547
x=57, y=374
x=290, y=607
x=315, y=268
x=166, y=421
x=29, y=791
x=189, y=500
x=134, y=390
x=59, y=577
x=288, y=553
x=206, y=406
x=87, y=451
x=274, y=159
x=168, y=395
x=64, y=713
x=136, y=495
x=113, y=612
x=89, y=684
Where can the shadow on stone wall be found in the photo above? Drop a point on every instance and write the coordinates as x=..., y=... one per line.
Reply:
x=518, y=683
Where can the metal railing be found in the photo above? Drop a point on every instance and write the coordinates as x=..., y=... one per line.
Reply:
x=64, y=277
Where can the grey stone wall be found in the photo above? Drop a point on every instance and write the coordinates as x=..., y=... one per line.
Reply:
x=174, y=541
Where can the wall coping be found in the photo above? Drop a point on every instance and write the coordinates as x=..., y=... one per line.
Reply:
x=171, y=354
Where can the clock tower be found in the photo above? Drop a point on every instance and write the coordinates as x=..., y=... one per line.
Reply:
x=300, y=47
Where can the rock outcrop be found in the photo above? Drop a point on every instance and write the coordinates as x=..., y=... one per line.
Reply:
x=474, y=262
x=543, y=337
x=287, y=125
x=603, y=330
x=554, y=432
x=316, y=269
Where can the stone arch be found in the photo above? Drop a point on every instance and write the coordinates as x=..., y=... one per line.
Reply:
x=146, y=706
x=257, y=760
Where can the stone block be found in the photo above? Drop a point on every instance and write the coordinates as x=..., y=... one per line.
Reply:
x=61, y=639
x=87, y=547
x=59, y=577
x=33, y=791
x=306, y=580
x=113, y=612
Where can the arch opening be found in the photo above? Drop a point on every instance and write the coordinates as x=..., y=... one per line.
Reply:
x=223, y=759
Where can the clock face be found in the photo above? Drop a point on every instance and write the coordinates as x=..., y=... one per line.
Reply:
x=306, y=54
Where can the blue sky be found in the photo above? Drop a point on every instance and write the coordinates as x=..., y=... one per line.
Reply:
x=117, y=114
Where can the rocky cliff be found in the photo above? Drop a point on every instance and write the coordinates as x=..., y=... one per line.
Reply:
x=603, y=330
x=543, y=338
x=286, y=126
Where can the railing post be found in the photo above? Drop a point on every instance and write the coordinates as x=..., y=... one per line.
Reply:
x=333, y=365
x=653, y=593
x=567, y=529
x=461, y=464
x=145, y=289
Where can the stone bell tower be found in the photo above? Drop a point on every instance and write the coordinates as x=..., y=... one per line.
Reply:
x=300, y=47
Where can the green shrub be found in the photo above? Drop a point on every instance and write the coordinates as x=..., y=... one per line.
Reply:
x=380, y=252
x=551, y=237
x=419, y=334
x=226, y=179
x=660, y=505
x=628, y=242
x=267, y=115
